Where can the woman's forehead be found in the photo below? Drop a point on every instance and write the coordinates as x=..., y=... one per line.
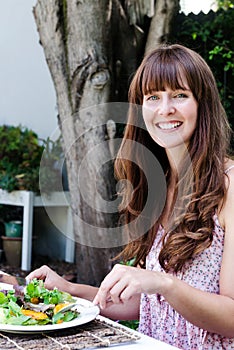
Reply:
x=161, y=81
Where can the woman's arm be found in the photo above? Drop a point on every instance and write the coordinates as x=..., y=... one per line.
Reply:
x=209, y=311
x=212, y=312
x=126, y=311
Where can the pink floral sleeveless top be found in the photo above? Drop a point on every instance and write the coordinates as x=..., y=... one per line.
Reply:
x=159, y=320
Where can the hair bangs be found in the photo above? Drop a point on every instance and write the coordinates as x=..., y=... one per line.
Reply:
x=162, y=73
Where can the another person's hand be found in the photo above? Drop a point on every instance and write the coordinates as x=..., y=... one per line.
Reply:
x=51, y=278
x=123, y=282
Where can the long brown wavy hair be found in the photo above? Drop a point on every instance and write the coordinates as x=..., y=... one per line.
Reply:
x=201, y=176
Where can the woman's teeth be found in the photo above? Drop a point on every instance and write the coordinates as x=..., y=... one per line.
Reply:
x=168, y=126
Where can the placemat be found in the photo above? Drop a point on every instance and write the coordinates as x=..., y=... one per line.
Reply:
x=94, y=334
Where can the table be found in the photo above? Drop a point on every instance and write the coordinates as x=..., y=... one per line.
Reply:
x=28, y=200
x=100, y=333
x=143, y=343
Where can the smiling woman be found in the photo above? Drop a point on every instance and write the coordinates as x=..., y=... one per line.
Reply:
x=170, y=116
x=181, y=286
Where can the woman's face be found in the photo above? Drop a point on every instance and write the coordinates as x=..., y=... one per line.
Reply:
x=170, y=116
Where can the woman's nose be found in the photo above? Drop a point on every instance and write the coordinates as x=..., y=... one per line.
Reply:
x=166, y=107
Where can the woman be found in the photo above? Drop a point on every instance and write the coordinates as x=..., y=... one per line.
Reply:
x=182, y=285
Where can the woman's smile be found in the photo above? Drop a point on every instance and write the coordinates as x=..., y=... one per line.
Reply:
x=169, y=125
x=170, y=116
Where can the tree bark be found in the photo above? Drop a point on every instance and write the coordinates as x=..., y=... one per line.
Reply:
x=165, y=11
x=92, y=48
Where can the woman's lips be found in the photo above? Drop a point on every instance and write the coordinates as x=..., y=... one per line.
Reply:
x=168, y=125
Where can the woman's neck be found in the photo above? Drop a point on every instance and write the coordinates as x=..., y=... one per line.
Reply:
x=176, y=156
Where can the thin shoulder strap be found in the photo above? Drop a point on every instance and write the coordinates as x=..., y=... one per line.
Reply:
x=228, y=169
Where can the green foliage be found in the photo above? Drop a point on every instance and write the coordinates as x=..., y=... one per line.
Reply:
x=225, y=4
x=129, y=262
x=20, y=155
x=212, y=36
x=130, y=324
x=227, y=57
x=20, y=158
x=36, y=289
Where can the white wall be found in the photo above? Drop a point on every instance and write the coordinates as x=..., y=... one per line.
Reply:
x=27, y=95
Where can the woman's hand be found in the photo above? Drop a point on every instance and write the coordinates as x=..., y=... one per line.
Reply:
x=51, y=278
x=123, y=282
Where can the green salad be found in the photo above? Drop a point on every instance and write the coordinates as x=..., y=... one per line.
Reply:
x=36, y=305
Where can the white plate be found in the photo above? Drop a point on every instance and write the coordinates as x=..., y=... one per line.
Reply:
x=88, y=312
x=6, y=286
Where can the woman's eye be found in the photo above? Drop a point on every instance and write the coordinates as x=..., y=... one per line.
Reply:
x=181, y=95
x=153, y=98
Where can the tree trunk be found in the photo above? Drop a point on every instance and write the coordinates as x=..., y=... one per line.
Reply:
x=165, y=11
x=91, y=48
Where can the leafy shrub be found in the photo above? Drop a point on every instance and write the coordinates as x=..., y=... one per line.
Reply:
x=21, y=152
x=20, y=155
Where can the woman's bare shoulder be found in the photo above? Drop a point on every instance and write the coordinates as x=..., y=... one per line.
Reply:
x=229, y=166
x=226, y=216
x=226, y=207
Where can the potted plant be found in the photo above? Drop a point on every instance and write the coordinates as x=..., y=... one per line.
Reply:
x=11, y=233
